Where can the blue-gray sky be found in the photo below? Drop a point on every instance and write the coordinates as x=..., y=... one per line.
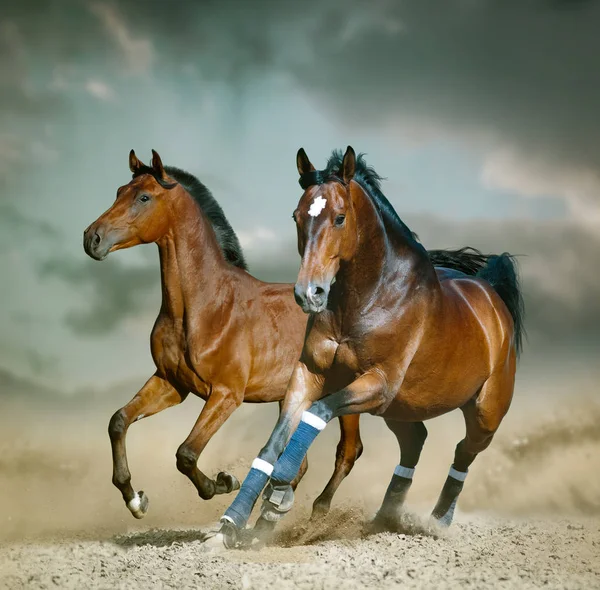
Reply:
x=482, y=115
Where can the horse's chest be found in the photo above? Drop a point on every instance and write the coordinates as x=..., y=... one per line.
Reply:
x=346, y=358
x=171, y=353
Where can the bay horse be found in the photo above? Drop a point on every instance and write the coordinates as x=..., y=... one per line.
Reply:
x=388, y=334
x=220, y=333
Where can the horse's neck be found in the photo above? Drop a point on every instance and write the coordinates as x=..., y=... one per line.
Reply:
x=190, y=262
x=381, y=258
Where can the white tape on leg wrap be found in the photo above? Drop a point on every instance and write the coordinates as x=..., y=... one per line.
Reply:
x=263, y=466
x=313, y=420
x=458, y=475
x=405, y=472
x=135, y=503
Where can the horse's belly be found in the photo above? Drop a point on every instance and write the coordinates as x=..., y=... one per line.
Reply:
x=430, y=394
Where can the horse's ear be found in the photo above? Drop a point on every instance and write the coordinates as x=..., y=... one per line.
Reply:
x=348, y=165
x=135, y=165
x=157, y=165
x=303, y=163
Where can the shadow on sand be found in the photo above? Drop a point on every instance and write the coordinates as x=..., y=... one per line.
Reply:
x=159, y=537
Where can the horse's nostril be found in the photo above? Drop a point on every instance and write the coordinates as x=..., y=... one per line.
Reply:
x=96, y=240
x=319, y=291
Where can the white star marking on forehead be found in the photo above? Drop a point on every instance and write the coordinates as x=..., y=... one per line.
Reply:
x=317, y=206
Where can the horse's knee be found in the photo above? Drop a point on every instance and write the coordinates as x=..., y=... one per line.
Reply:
x=117, y=425
x=186, y=459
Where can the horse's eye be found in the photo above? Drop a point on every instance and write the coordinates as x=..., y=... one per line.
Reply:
x=339, y=220
x=144, y=198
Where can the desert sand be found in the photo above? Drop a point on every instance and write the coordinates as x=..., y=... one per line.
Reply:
x=529, y=516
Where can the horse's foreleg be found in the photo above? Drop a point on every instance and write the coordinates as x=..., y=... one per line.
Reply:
x=156, y=395
x=303, y=467
x=219, y=406
x=367, y=393
x=303, y=389
x=349, y=449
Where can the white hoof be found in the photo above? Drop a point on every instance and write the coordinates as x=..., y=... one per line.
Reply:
x=138, y=505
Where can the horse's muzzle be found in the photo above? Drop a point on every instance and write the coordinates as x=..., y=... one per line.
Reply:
x=94, y=244
x=312, y=298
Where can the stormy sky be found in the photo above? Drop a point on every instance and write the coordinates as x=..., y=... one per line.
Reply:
x=482, y=115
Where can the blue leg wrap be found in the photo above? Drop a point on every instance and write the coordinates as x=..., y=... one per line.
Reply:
x=241, y=508
x=289, y=462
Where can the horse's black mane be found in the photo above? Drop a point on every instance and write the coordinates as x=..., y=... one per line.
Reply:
x=226, y=237
x=370, y=180
x=466, y=260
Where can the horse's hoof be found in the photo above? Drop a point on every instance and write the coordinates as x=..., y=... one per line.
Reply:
x=319, y=511
x=227, y=483
x=138, y=505
x=380, y=523
x=214, y=542
x=230, y=534
x=444, y=520
x=442, y=523
x=277, y=502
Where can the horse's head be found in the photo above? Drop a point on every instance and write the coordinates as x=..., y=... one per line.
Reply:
x=139, y=214
x=327, y=231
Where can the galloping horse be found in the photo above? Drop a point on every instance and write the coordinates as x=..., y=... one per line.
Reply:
x=388, y=334
x=221, y=333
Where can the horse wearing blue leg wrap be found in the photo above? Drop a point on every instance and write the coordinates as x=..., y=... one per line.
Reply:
x=283, y=473
x=241, y=508
x=289, y=462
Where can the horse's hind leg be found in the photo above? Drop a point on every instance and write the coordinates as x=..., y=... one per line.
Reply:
x=156, y=395
x=349, y=449
x=411, y=438
x=483, y=415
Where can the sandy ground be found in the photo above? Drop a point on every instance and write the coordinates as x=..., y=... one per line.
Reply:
x=476, y=553
x=529, y=516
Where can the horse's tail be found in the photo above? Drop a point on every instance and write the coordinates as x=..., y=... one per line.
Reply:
x=501, y=273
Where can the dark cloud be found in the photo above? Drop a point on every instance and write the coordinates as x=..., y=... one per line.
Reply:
x=517, y=72
x=112, y=291
x=522, y=72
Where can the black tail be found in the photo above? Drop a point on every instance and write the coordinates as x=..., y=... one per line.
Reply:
x=499, y=271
